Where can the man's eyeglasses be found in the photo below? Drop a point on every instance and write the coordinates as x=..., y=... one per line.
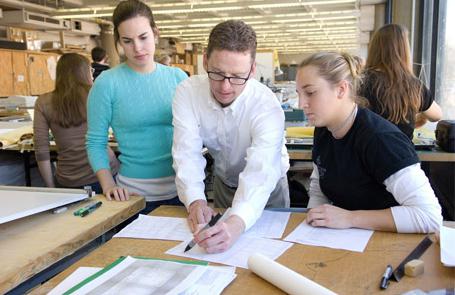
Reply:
x=215, y=76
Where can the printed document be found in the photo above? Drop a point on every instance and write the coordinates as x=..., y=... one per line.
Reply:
x=214, y=280
x=157, y=228
x=271, y=224
x=352, y=239
x=153, y=276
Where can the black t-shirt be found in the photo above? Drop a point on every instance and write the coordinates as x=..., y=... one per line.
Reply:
x=352, y=169
x=369, y=93
x=98, y=69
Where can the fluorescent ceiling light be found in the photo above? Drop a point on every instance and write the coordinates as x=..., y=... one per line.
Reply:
x=92, y=15
x=319, y=13
x=300, y=3
x=283, y=24
x=293, y=20
x=193, y=10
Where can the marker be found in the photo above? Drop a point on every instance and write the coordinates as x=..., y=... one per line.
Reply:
x=386, y=276
x=84, y=211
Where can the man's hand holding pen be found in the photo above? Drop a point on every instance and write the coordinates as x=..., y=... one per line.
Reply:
x=218, y=237
x=221, y=236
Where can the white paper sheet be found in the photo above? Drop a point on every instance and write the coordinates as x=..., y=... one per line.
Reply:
x=158, y=228
x=238, y=254
x=351, y=239
x=73, y=279
x=270, y=225
x=447, y=241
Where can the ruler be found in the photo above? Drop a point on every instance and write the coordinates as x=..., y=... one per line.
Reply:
x=398, y=273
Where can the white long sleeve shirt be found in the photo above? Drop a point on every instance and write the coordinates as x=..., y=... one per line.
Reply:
x=419, y=210
x=246, y=140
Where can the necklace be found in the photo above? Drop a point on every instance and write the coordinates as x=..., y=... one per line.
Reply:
x=345, y=122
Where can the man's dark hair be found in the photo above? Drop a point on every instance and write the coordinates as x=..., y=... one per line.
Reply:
x=232, y=35
x=98, y=54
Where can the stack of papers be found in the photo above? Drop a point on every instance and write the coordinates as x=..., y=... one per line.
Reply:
x=130, y=275
x=352, y=239
x=447, y=241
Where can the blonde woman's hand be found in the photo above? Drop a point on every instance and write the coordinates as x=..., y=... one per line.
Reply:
x=329, y=216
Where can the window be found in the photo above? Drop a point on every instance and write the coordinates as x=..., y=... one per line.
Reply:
x=445, y=61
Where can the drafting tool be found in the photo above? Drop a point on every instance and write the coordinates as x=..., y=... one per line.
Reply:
x=398, y=273
x=18, y=202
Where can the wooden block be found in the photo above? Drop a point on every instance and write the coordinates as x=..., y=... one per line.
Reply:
x=414, y=268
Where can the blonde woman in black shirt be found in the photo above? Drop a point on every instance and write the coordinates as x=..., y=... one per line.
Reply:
x=366, y=172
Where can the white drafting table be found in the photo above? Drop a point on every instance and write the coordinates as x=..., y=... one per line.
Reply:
x=18, y=202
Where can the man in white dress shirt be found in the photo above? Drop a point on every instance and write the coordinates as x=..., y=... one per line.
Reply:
x=241, y=123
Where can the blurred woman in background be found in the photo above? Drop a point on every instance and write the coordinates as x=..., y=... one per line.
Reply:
x=63, y=111
x=390, y=85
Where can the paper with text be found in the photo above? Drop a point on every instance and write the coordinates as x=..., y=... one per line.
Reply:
x=157, y=228
x=270, y=225
x=352, y=239
x=238, y=254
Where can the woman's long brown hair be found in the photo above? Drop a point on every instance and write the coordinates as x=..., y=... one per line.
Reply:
x=73, y=82
x=390, y=67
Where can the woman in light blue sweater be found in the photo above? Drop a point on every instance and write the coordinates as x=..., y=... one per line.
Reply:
x=135, y=99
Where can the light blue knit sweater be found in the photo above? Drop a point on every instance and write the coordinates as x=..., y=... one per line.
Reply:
x=138, y=107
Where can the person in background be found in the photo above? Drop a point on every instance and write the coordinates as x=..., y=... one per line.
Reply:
x=366, y=172
x=63, y=111
x=390, y=86
x=165, y=60
x=135, y=99
x=241, y=123
x=99, y=63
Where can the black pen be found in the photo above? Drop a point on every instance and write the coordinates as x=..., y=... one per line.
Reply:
x=211, y=223
x=386, y=276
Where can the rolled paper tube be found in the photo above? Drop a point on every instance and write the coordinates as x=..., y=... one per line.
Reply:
x=283, y=277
